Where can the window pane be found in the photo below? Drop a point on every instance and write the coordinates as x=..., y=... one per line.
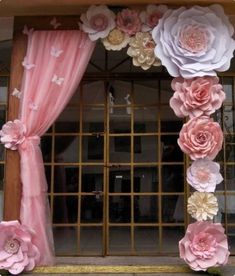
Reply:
x=145, y=179
x=66, y=149
x=119, y=239
x=145, y=149
x=146, y=209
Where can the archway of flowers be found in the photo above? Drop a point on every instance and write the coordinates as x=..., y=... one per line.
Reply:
x=193, y=44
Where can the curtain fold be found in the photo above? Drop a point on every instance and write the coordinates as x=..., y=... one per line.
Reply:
x=54, y=65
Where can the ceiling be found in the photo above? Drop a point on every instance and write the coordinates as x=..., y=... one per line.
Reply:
x=46, y=7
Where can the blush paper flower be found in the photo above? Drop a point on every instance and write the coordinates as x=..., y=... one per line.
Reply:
x=116, y=40
x=202, y=206
x=128, y=21
x=196, y=97
x=194, y=42
x=13, y=134
x=98, y=21
x=204, y=245
x=17, y=251
x=141, y=49
x=203, y=175
x=201, y=138
x=151, y=16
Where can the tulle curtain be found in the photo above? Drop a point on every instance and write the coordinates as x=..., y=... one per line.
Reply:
x=54, y=65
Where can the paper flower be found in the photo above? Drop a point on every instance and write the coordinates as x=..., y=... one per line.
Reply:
x=196, y=97
x=201, y=138
x=142, y=51
x=128, y=21
x=17, y=250
x=204, y=245
x=13, y=134
x=194, y=42
x=98, y=21
x=203, y=175
x=116, y=40
x=151, y=16
x=202, y=206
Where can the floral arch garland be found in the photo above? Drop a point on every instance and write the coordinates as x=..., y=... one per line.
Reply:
x=192, y=43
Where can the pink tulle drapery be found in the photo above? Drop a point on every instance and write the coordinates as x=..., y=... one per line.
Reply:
x=54, y=65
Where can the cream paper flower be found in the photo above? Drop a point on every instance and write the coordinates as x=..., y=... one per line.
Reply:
x=202, y=206
x=142, y=51
x=116, y=40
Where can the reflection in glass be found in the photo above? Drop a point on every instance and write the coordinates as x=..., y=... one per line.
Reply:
x=229, y=117
x=2, y=115
x=231, y=238
x=230, y=178
x=92, y=208
x=120, y=149
x=170, y=150
x=92, y=178
x=146, y=239
x=145, y=179
x=68, y=121
x=173, y=208
x=120, y=209
x=172, y=178
x=119, y=239
x=166, y=90
x=120, y=179
x=145, y=119
x=3, y=89
x=2, y=152
x=93, y=148
x=228, y=88
x=171, y=237
x=169, y=121
x=146, y=209
x=68, y=234
x=66, y=179
x=66, y=149
x=46, y=148
x=93, y=92
x=48, y=176
x=91, y=240
x=145, y=149
x=93, y=119
x=120, y=120
x=65, y=209
x=146, y=92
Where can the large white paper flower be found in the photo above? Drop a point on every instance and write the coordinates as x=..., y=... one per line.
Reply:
x=202, y=206
x=194, y=42
x=203, y=175
x=116, y=40
x=151, y=16
x=98, y=21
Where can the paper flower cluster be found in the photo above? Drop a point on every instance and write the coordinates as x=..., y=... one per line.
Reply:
x=17, y=249
x=127, y=27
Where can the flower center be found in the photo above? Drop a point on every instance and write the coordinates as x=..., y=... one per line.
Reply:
x=153, y=19
x=116, y=37
x=128, y=21
x=193, y=39
x=99, y=22
x=203, y=175
x=12, y=246
x=201, y=138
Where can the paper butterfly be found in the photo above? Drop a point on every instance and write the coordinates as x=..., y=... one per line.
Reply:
x=16, y=93
x=56, y=52
x=57, y=80
x=54, y=23
x=27, y=31
x=27, y=65
x=33, y=106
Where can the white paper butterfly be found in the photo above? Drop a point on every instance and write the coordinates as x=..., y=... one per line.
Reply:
x=16, y=93
x=27, y=65
x=55, y=52
x=55, y=23
x=27, y=31
x=57, y=80
x=33, y=106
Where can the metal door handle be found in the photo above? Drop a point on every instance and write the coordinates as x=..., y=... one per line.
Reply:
x=98, y=194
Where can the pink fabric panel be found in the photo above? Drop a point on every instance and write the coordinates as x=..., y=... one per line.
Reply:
x=60, y=59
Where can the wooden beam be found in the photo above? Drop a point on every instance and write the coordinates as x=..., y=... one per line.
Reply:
x=12, y=188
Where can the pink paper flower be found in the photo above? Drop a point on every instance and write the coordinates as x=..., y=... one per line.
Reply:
x=201, y=138
x=17, y=250
x=194, y=42
x=98, y=21
x=204, y=245
x=151, y=16
x=128, y=21
x=196, y=97
x=203, y=175
x=13, y=134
